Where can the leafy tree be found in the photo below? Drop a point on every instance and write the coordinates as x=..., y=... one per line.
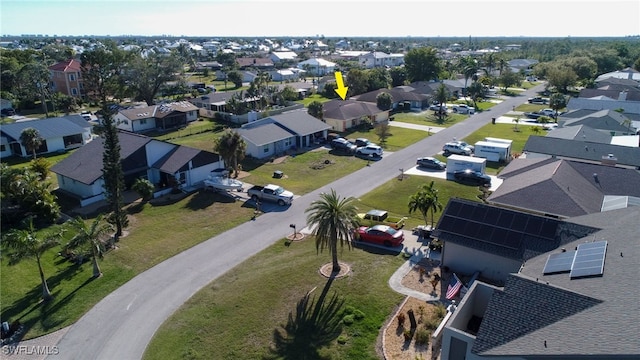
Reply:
x=383, y=100
x=469, y=67
x=21, y=244
x=508, y=79
x=357, y=81
x=476, y=92
x=33, y=80
x=41, y=167
x=398, y=76
x=383, y=131
x=145, y=76
x=315, y=109
x=232, y=148
x=235, y=77
x=89, y=237
x=31, y=140
x=24, y=194
x=378, y=78
x=65, y=103
x=288, y=93
x=144, y=188
x=561, y=78
x=329, y=90
x=227, y=60
x=422, y=64
x=556, y=102
x=334, y=220
x=237, y=104
x=584, y=67
x=426, y=201
x=258, y=88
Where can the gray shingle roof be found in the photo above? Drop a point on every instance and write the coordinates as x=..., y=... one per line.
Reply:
x=348, y=109
x=602, y=120
x=582, y=150
x=264, y=134
x=300, y=122
x=397, y=95
x=592, y=317
x=48, y=128
x=580, y=132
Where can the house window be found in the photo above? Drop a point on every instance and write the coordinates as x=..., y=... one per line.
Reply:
x=265, y=149
x=74, y=91
x=2, y=147
x=72, y=77
x=143, y=121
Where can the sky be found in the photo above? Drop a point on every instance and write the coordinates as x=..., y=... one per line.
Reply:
x=331, y=18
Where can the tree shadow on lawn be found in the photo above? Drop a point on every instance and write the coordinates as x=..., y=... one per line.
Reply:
x=204, y=198
x=32, y=301
x=313, y=326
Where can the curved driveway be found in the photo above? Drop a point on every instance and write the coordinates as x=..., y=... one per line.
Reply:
x=122, y=324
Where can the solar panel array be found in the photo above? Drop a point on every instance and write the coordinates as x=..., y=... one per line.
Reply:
x=587, y=260
x=502, y=227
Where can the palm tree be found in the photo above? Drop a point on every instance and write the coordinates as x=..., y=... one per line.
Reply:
x=232, y=148
x=31, y=140
x=334, y=219
x=27, y=243
x=425, y=200
x=442, y=95
x=90, y=236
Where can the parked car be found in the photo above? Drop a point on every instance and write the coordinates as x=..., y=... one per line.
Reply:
x=380, y=234
x=271, y=192
x=465, y=144
x=538, y=100
x=463, y=109
x=7, y=112
x=342, y=144
x=436, y=107
x=544, y=112
x=371, y=149
x=455, y=148
x=362, y=142
x=430, y=163
x=472, y=177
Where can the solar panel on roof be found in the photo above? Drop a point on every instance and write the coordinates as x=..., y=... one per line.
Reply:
x=548, y=230
x=505, y=220
x=519, y=222
x=534, y=225
x=589, y=260
x=560, y=262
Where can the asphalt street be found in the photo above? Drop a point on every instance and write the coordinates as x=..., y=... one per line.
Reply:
x=122, y=324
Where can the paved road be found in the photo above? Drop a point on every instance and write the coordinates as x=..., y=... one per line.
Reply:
x=122, y=324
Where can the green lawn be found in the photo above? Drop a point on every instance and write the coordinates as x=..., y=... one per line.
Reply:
x=218, y=323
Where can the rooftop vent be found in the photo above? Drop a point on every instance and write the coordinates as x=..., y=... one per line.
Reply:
x=609, y=160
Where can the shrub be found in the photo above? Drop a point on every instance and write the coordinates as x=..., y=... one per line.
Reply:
x=432, y=323
x=348, y=319
x=408, y=334
x=422, y=336
x=401, y=318
x=342, y=339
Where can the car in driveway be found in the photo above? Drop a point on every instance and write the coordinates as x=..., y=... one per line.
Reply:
x=463, y=109
x=538, y=100
x=342, y=144
x=380, y=235
x=473, y=177
x=429, y=162
x=436, y=107
x=464, y=144
x=456, y=148
x=371, y=149
x=362, y=142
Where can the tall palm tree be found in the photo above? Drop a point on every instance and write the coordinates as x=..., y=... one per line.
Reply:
x=426, y=201
x=31, y=140
x=91, y=236
x=334, y=219
x=28, y=243
x=441, y=96
x=232, y=148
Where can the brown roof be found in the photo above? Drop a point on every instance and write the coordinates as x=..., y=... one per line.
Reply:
x=348, y=109
x=71, y=65
x=258, y=62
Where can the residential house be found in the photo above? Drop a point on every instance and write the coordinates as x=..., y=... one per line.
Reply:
x=262, y=64
x=317, y=66
x=280, y=133
x=156, y=117
x=283, y=56
x=577, y=188
x=626, y=73
x=376, y=59
x=607, y=121
x=345, y=114
x=166, y=165
x=593, y=152
x=429, y=88
x=524, y=65
x=401, y=99
x=217, y=101
x=66, y=78
x=289, y=74
x=561, y=280
x=59, y=134
x=208, y=65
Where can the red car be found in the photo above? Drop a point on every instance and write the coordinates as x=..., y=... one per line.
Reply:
x=380, y=234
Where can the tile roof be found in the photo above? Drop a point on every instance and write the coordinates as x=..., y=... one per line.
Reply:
x=592, y=317
x=48, y=128
x=71, y=65
x=582, y=150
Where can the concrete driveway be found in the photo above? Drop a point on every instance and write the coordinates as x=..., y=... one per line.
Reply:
x=121, y=325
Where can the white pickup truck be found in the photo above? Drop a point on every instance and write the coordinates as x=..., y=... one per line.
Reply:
x=272, y=193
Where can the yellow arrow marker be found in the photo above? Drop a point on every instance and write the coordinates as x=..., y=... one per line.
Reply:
x=341, y=89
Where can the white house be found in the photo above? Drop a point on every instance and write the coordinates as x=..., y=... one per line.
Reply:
x=280, y=56
x=317, y=66
x=379, y=59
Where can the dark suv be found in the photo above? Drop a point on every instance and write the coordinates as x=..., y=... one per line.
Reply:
x=472, y=177
x=342, y=144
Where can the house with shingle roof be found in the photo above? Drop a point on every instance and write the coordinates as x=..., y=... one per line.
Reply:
x=66, y=78
x=254, y=63
x=569, y=311
x=345, y=114
x=277, y=134
x=577, y=188
x=400, y=98
x=593, y=152
x=58, y=134
x=156, y=117
x=608, y=121
x=166, y=165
